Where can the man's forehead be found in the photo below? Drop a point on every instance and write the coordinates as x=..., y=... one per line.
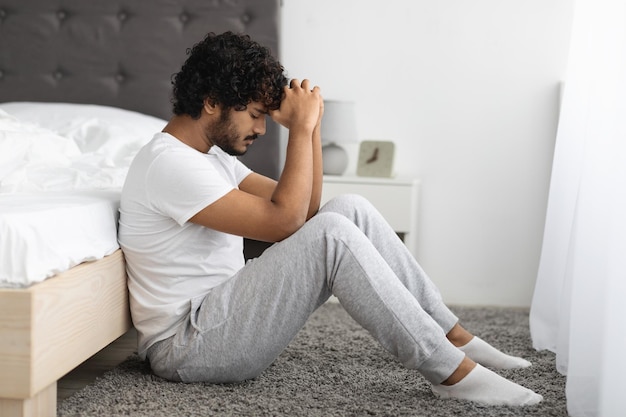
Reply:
x=258, y=107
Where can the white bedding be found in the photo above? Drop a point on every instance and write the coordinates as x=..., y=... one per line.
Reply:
x=62, y=167
x=47, y=233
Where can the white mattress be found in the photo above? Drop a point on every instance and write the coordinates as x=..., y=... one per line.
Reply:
x=62, y=167
x=46, y=233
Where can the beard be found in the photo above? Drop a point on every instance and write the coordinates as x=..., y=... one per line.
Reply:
x=224, y=134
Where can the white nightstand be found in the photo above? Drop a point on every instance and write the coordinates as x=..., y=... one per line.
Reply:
x=395, y=198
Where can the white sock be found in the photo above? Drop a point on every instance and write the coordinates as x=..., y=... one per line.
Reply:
x=486, y=387
x=482, y=352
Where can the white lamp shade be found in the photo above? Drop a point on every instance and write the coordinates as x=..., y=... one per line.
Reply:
x=339, y=122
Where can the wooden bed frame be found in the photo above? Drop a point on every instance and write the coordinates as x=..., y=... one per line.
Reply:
x=50, y=328
x=119, y=53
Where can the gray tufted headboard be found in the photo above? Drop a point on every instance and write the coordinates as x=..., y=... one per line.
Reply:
x=122, y=53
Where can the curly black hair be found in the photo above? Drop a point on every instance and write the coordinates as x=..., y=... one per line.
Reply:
x=230, y=70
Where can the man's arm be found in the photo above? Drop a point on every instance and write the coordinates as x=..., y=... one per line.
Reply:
x=248, y=211
x=316, y=192
x=258, y=185
x=263, y=186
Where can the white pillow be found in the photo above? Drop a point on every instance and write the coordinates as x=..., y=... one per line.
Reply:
x=63, y=146
x=23, y=144
x=114, y=133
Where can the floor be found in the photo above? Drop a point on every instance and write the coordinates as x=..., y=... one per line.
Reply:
x=107, y=359
x=98, y=364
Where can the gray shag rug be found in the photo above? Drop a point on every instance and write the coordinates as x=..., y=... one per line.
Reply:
x=332, y=368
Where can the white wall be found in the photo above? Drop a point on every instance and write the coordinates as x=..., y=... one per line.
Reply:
x=468, y=90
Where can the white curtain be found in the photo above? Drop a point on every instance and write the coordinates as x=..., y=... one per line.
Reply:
x=579, y=305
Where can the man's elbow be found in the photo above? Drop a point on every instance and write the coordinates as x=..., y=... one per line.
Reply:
x=288, y=226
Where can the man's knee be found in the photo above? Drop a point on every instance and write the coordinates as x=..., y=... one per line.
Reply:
x=352, y=206
x=329, y=221
x=350, y=200
x=346, y=203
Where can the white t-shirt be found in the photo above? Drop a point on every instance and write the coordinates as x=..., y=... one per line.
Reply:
x=169, y=259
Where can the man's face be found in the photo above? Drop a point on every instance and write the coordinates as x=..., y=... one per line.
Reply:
x=236, y=130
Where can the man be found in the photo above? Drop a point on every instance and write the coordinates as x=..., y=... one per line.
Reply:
x=204, y=315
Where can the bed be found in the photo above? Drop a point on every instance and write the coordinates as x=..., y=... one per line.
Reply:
x=61, y=62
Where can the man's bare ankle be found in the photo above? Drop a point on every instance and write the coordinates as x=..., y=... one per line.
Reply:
x=461, y=372
x=458, y=336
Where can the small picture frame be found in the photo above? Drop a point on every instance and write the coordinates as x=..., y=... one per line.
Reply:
x=376, y=158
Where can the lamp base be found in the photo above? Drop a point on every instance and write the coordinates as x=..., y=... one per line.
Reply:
x=334, y=159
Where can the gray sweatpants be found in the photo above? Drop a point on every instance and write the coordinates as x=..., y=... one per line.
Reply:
x=239, y=328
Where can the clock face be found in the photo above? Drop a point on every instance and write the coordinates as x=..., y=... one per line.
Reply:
x=375, y=158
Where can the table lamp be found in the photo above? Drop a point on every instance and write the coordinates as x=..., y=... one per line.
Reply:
x=338, y=125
